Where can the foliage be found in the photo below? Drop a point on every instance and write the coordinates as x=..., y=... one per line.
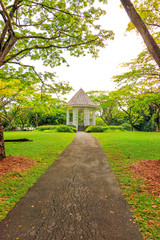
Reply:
x=108, y=106
x=141, y=26
x=143, y=81
x=131, y=104
x=71, y=125
x=99, y=121
x=94, y=129
x=153, y=100
x=39, y=30
x=104, y=128
x=58, y=128
x=150, y=126
x=126, y=126
x=149, y=12
x=44, y=148
x=34, y=110
x=66, y=129
x=48, y=127
x=141, y=71
x=122, y=149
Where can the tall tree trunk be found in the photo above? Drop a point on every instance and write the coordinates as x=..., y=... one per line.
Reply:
x=36, y=120
x=130, y=120
x=2, y=148
x=143, y=30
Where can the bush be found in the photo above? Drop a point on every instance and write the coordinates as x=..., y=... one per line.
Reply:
x=104, y=128
x=65, y=129
x=150, y=126
x=57, y=128
x=126, y=126
x=94, y=129
x=46, y=127
x=10, y=128
x=86, y=126
x=113, y=128
x=74, y=129
x=100, y=122
x=71, y=126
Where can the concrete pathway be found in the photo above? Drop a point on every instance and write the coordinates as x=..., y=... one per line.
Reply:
x=78, y=197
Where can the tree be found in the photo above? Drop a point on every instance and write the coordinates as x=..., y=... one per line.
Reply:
x=151, y=44
x=152, y=99
x=130, y=102
x=141, y=71
x=18, y=100
x=45, y=29
x=143, y=75
x=108, y=106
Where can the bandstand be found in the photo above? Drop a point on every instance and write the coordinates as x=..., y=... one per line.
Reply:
x=81, y=111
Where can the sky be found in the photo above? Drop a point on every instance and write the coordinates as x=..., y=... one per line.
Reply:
x=96, y=74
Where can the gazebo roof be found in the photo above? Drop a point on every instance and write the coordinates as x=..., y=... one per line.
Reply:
x=81, y=99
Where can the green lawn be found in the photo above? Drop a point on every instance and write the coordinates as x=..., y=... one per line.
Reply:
x=122, y=149
x=44, y=149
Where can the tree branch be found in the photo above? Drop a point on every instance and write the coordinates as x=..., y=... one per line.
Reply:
x=39, y=37
x=47, y=47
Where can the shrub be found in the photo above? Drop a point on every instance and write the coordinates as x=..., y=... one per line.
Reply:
x=46, y=127
x=65, y=129
x=74, y=129
x=113, y=128
x=104, y=128
x=126, y=126
x=58, y=128
x=10, y=128
x=100, y=122
x=86, y=126
x=94, y=129
x=71, y=125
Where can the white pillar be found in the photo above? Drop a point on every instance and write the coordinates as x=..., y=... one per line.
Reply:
x=75, y=117
x=86, y=116
x=67, y=117
x=94, y=117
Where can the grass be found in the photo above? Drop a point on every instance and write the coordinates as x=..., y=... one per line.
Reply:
x=122, y=149
x=44, y=149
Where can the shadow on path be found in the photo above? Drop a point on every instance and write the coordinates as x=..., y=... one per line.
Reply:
x=78, y=197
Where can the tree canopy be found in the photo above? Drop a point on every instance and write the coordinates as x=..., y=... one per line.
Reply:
x=44, y=29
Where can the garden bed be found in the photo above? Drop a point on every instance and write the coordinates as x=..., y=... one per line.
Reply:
x=148, y=170
x=15, y=164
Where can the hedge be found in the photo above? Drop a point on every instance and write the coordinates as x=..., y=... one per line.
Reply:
x=104, y=128
x=57, y=128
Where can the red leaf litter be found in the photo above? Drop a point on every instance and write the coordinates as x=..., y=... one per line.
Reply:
x=15, y=163
x=148, y=170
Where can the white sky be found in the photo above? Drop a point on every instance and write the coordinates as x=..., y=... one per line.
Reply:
x=91, y=74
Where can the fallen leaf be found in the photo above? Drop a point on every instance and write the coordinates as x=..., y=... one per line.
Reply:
x=154, y=206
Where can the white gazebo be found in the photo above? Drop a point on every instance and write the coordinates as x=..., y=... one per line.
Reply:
x=80, y=110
